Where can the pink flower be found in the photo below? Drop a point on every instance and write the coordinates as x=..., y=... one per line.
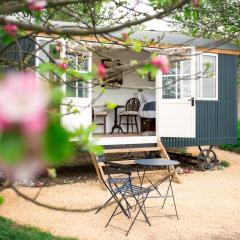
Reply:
x=196, y=3
x=11, y=29
x=35, y=125
x=101, y=70
x=23, y=100
x=37, y=5
x=162, y=63
x=3, y=124
x=63, y=66
x=125, y=36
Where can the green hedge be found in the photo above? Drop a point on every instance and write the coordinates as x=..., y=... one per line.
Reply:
x=233, y=147
x=11, y=231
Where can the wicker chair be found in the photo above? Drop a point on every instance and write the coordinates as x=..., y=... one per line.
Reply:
x=102, y=115
x=131, y=114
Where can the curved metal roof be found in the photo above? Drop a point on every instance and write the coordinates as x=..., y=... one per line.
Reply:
x=174, y=38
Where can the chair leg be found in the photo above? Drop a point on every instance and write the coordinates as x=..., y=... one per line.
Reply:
x=120, y=122
x=104, y=124
x=104, y=205
x=111, y=216
x=140, y=210
x=131, y=123
x=165, y=198
x=127, y=123
x=174, y=202
x=136, y=124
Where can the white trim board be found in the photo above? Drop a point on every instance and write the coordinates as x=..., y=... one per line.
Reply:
x=125, y=140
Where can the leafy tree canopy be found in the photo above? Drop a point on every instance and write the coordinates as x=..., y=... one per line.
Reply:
x=212, y=19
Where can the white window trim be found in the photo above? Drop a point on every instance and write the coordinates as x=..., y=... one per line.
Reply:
x=178, y=75
x=217, y=79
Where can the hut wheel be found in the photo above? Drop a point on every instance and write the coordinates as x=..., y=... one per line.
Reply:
x=207, y=159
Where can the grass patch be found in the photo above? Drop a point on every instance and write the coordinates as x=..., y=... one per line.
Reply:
x=233, y=147
x=12, y=231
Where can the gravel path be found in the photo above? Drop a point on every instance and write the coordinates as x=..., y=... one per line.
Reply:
x=208, y=204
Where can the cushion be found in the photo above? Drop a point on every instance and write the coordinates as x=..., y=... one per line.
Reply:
x=100, y=113
x=127, y=113
x=149, y=97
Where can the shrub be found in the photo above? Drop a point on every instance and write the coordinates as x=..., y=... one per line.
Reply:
x=225, y=164
x=233, y=147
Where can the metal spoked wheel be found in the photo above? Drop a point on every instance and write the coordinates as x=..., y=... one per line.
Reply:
x=207, y=159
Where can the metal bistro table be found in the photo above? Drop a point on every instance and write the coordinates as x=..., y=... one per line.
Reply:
x=159, y=162
x=116, y=125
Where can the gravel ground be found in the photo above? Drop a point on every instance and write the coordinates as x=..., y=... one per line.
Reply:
x=208, y=205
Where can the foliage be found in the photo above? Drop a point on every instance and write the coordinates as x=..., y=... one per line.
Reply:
x=12, y=231
x=233, y=147
x=225, y=164
x=79, y=10
x=213, y=18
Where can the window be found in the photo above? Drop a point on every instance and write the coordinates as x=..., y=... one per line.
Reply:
x=207, y=85
x=177, y=83
x=74, y=87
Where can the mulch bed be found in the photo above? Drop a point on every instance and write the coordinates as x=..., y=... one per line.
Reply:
x=75, y=173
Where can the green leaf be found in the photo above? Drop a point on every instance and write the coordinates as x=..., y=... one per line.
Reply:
x=187, y=12
x=5, y=38
x=57, y=149
x=136, y=46
x=1, y=200
x=47, y=67
x=80, y=76
x=147, y=68
x=111, y=105
x=50, y=67
x=133, y=62
x=52, y=172
x=96, y=149
x=195, y=15
x=12, y=147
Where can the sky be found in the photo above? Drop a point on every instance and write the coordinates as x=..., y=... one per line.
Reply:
x=154, y=24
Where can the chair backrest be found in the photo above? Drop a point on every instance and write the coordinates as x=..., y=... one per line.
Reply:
x=133, y=104
x=111, y=170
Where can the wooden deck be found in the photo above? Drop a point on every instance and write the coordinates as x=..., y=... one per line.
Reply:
x=102, y=135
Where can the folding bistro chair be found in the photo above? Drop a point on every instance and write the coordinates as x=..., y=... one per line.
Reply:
x=120, y=180
x=123, y=193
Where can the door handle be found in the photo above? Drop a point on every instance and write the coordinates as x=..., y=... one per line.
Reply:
x=192, y=99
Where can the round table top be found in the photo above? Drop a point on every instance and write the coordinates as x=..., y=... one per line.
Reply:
x=156, y=162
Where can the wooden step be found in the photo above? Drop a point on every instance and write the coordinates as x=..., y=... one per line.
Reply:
x=128, y=162
x=132, y=150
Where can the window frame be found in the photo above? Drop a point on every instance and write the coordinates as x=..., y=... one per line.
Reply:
x=179, y=74
x=88, y=54
x=199, y=61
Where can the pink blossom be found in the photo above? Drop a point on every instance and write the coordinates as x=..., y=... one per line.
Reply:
x=11, y=29
x=101, y=70
x=22, y=101
x=63, y=66
x=125, y=36
x=3, y=124
x=196, y=3
x=37, y=5
x=58, y=47
x=162, y=63
x=35, y=125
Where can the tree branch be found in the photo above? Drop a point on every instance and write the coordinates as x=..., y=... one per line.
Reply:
x=78, y=31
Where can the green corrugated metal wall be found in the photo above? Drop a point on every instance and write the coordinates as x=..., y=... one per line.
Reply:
x=11, y=52
x=216, y=120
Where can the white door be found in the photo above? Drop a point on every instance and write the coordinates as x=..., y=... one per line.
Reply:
x=176, y=107
x=76, y=108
